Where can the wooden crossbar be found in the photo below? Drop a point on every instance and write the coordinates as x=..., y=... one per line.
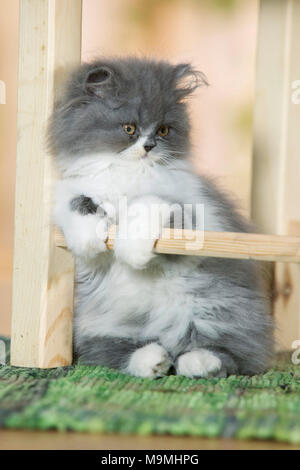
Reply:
x=219, y=244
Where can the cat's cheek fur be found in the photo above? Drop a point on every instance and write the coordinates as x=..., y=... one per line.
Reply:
x=150, y=361
x=198, y=363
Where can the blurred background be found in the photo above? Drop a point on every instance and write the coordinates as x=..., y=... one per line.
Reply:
x=217, y=36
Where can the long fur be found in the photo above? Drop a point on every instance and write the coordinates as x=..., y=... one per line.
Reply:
x=136, y=311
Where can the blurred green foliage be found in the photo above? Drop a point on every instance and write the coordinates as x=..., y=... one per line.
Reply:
x=225, y=5
x=243, y=119
x=144, y=11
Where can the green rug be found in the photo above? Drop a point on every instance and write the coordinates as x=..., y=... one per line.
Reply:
x=81, y=398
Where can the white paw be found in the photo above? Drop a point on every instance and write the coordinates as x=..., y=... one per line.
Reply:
x=87, y=235
x=135, y=253
x=149, y=361
x=198, y=363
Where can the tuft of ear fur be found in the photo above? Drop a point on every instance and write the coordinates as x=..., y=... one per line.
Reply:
x=187, y=80
x=99, y=80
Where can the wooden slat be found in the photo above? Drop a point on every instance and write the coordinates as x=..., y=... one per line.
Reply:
x=219, y=244
x=49, y=42
x=276, y=163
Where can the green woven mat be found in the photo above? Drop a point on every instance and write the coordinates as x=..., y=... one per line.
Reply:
x=81, y=398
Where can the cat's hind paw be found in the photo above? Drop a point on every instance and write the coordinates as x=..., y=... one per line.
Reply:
x=150, y=361
x=198, y=363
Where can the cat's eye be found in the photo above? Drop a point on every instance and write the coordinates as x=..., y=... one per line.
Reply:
x=129, y=128
x=163, y=131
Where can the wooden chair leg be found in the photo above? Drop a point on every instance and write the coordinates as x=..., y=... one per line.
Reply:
x=276, y=162
x=50, y=41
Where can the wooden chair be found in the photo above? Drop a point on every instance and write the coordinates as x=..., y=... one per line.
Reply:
x=43, y=276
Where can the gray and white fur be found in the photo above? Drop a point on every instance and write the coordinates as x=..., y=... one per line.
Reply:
x=140, y=312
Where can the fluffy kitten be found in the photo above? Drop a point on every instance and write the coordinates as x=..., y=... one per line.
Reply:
x=121, y=129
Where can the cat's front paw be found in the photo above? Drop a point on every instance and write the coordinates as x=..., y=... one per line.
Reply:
x=198, y=363
x=135, y=253
x=83, y=205
x=86, y=236
x=150, y=361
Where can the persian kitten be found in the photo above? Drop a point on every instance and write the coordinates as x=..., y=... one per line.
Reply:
x=121, y=130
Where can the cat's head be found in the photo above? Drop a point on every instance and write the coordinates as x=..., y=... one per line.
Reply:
x=132, y=108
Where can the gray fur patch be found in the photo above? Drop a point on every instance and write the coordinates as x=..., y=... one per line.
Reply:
x=103, y=95
x=84, y=205
x=107, y=351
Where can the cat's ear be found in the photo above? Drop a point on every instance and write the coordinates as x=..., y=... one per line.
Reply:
x=187, y=79
x=99, y=81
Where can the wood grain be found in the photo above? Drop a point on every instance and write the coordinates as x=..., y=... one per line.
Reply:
x=43, y=275
x=219, y=244
x=52, y=440
x=276, y=162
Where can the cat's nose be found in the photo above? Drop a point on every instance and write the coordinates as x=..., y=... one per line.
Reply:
x=149, y=147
